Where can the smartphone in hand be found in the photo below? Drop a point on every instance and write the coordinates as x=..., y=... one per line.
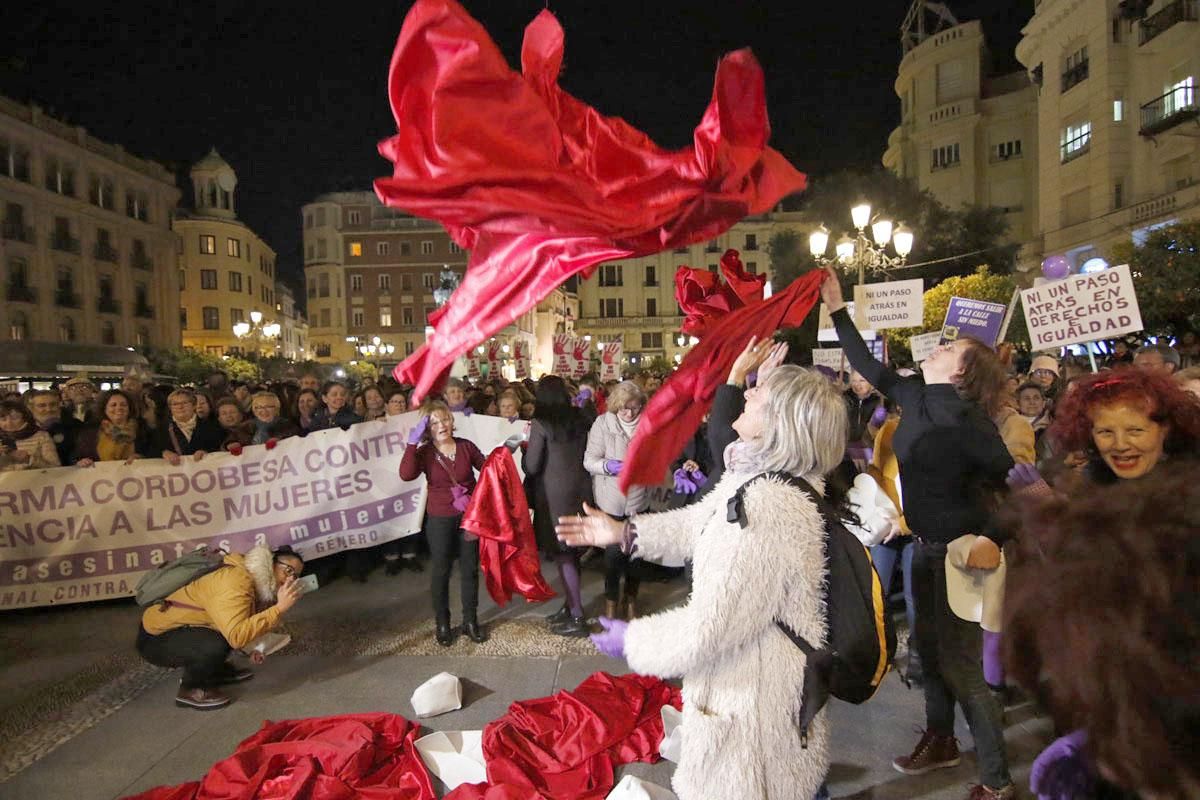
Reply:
x=308, y=583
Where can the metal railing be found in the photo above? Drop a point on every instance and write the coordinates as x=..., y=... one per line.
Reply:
x=65, y=243
x=108, y=305
x=141, y=261
x=1168, y=110
x=106, y=252
x=1075, y=75
x=144, y=311
x=65, y=298
x=19, y=293
x=1170, y=16
x=17, y=232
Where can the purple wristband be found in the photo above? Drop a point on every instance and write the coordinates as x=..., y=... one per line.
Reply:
x=629, y=537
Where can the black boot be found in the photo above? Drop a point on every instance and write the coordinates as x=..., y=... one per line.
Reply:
x=445, y=634
x=574, y=626
x=560, y=616
x=472, y=629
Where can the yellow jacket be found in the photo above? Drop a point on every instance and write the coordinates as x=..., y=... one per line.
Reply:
x=885, y=467
x=226, y=600
x=1017, y=433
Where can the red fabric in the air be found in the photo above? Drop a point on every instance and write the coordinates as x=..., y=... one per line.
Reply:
x=499, y=516
x=704, y=298
x=365, y=756
x=677, y=408
x=565, y=747
x=538, y=185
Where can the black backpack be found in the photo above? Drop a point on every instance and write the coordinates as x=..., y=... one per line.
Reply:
x=862, y=641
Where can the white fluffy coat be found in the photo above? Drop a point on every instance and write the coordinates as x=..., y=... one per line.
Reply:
x=742, y=677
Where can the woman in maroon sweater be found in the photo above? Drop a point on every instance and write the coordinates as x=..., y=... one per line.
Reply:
x=449, y=465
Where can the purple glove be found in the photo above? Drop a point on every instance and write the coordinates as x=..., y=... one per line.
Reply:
x=683, y=482
x=612, y=642
x=879, y=416
x=1025, y=479
x=1063, y=771
x=462, y=498
x=418, y=430
x=581, y=399
x=613, y=467
x=700, y=479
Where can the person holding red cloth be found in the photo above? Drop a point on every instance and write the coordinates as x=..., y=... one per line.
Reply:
x=449, y=465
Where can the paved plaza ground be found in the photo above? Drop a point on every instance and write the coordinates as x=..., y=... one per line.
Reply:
x=82, y=718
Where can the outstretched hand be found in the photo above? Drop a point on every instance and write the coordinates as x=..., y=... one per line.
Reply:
x=775, y=357
x=831, y=291
x=749, y=359
x=592, y=528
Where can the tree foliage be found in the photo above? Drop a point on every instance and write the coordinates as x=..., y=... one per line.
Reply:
x=789, y=257
x=1166, y=277
x=190, y=366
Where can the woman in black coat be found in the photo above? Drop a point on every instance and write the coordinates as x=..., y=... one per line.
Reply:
x=558, y=485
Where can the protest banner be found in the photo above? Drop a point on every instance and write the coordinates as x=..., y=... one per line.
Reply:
x=923, y=344
x=895, y=304
x=75, y=534
x=1082, y=308
x=978, y=319
x=562, y=358
x=521, y=359
x=830, y=357
x=581, y=359
x=610, y=361
x=827, y=333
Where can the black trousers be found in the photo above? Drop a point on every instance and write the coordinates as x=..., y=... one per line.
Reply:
x=617, y=565
x=200, y=651
x=447, y=542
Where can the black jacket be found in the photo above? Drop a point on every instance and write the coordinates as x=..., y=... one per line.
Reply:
x=951, y=455
x=208, y=436
x=860, y=412
x=727, y=406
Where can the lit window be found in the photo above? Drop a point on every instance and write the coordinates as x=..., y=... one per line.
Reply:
x=356, y=249
x=1075, y=140
x=208, y=245
x=1118, y=110
x=385, y=317
x=233, y=248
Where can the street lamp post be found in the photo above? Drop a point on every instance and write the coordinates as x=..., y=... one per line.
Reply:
x=255, y=331
x=860, y=252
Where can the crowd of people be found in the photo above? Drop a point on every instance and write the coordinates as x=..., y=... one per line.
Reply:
x=1036, y=462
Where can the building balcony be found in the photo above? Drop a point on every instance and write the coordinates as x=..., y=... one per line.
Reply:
x=65, y=243
x=65, y=298
x=144, y=311
x=1156, y=24
x=1166, y=111
x=105, y=252
x=107, y=305
x=18, y=293
x=1075, y=75
x=141, y=261
x=17, y=232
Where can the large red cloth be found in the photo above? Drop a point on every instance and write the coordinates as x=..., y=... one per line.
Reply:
x=677, y=408
x=565, y=747
x=499, y=516
x=540, y=186
x=367, y=756
x=704, y=299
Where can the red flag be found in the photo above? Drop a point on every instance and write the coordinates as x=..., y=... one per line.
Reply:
x=675, y=411
x=538, y=185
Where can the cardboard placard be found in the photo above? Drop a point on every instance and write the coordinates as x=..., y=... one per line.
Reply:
x=922, y=345
x=1082, y=308
x=894, y=304
x=979, y=319
x=826, y=331
x=610, y=361
x=830, y=357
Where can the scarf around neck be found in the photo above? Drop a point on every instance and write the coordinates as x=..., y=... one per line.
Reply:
x=742, y=457
x=628, y=428
x=187, y=428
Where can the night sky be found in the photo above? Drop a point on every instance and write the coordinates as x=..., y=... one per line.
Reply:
x=293, y=94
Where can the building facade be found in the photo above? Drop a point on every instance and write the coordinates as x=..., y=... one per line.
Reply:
x=1118, y=121
x=967, y=137
x=86, y=245
x=293, y=335
x=226, y=271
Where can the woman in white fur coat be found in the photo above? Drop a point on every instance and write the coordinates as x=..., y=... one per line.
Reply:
x=742, y=676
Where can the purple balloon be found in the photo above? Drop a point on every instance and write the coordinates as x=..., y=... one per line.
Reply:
x=1056, y=267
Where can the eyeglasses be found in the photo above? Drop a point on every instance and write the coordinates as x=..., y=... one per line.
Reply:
x=288, y=569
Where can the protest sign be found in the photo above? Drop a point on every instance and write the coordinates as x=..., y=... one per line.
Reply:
x=895, y=304
x=1082, y=308
x=923, y=344
x=610, y=361
x=73, y=534
x=830, y=357
x=978, y=319
x=473, y=371
x=581, y=359
x=521, y=359
x=562, y=358
x=495, y=360
x=827, y=333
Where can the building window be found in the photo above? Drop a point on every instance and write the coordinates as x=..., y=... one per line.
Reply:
x=308, y=220
x=406, y=282
x=426, y=248
x=208, y=279
x=1118, y=110
x=383, y=248
x=320, y=217
x=356, y=283
x=14, y=161
x=1006, y=150
x=60, y=177
x=141, y=337
x=323, y=284
x=104, y=249
x=183, y=319
x=1075, y=68
x=18, y=326
x=651, y=307
x=236, y=315
x=610, y=275
x=357, y=318
x=751, y=241
x=385, y=318
x=323, y=249
x=427, y=280
x=408, y=348
x=353, y=217
x=713, y=246
x=108, y=333
x=66, y=330
x=752, y=267
x=235, y=281
x=944, y=156
x=385, y=282
x=208, y=245
x=355, y=249
x=250, y=284
x=612, y=307
x=212, y=318
x=1118, y=195
x=325, y=318
x=322, y=350
x=405, y=249
x=652, y=341
x=310, y=252
x=455, y=249
x=101, y=192
x=651, y=275
x=406, y=316
x=1075, y=141
x=233, y=248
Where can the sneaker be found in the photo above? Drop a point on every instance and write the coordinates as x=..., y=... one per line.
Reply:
x=202, y=699
x=982, y=792
x=932, y=752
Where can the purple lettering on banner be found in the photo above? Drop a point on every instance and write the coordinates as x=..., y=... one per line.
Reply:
x=978, y=319
x=101, y=563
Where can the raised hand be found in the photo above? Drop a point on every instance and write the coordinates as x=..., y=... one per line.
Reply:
x=775, y=357
x=831, y=291
x=749, y=359
x=418, y=430
x=592, y=528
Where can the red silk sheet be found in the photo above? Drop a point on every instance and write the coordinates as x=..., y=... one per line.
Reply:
x=704, y=299
x=676, y=410
x=565, y=747
x=540, y=186
x=499, y=516
x=365, y=756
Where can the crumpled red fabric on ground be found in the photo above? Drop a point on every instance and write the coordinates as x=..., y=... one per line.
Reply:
x=499, y=516
x=677, y=408
x=704, y=299
x=565, y=747
x=540, y=186
x=366, y=756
